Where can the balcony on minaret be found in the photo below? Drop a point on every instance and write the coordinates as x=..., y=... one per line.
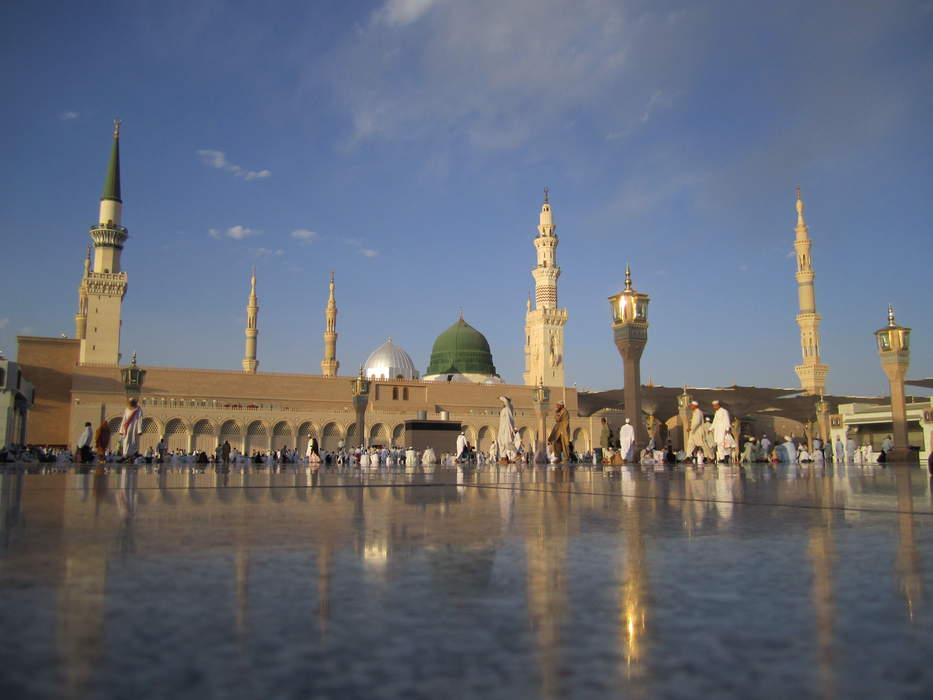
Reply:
x=109, y=234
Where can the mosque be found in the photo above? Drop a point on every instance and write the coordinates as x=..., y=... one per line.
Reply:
x=81, y=379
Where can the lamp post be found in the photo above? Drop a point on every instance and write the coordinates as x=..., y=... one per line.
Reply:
x=683, y=409
x=822, y=420
x=541, y=397
x=630, y=330
x=133, y=377
x=359, y=387
x=894, y=349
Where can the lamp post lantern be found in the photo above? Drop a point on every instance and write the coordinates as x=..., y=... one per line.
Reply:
x=359, y=387
x=894, y=349
x=630, y=329
x=133, y=377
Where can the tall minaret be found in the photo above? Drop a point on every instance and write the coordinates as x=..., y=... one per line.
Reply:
x=104, y=285
x=81, y=316
x=252, y=330
x=544, y=325
x=330, y=365
x=812, y=372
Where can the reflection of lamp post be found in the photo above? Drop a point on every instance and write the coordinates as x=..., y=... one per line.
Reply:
x=541, y=397
x=133, y=377
x=894, y=349
x=683, y=409
x=630, y=328
x=359, y=386
x=822, y=420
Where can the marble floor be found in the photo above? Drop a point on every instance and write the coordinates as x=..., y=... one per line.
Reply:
x=564, y=582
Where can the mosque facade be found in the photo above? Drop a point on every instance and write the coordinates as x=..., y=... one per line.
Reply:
x=79, y=379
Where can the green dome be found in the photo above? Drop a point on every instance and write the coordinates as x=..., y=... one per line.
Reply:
x=461, y=349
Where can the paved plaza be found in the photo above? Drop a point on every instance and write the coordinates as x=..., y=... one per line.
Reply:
x=568, y=582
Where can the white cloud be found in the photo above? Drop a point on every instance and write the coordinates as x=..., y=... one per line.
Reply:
x=358, y=244
x=4, y=322
x=65, y=116
x=265, y=252
x=237, y=233
x=218, y=159
x=369, y=252
x=402, y=12
x=304, y=234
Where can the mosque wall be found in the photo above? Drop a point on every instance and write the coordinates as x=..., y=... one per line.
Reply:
x=48, y=363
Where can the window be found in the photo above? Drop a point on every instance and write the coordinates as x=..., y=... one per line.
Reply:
x=405, y=394
x=395, y=393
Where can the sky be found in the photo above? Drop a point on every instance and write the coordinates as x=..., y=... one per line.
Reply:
x=405, y=145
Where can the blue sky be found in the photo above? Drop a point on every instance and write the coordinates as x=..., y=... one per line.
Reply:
x=404, y=144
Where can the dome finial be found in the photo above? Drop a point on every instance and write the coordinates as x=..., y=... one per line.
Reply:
x=116, y=127
x=461, y=314
x=628, y=277
x=800, y=221
x=546, y=193
x=891, y=322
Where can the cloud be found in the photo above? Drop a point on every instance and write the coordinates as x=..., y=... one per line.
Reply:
x=265, y=252
x=304, y=234
x=218, y=159
x=66, y=116
x=402, y=12
x=358, y=244
x=237, y=233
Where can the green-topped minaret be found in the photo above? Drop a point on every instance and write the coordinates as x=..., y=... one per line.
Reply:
x=104, y=285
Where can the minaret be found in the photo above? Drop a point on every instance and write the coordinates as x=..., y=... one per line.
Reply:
x=330, y=365
x=81, y=316
x=252, y=330
x=104, y=285
x=812, y=372
x=544, y=325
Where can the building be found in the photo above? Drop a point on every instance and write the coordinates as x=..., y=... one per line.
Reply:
x=79, y=379
x=16, y=398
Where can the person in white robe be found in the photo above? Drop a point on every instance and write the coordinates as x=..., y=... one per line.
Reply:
x=850, y=449
x=696, y=439
x=789, y=450
x=429, y=458
x=728, y=447
x=766, y=447
x=721, y=424
x=627, y=441
x=130, y=428
x=461, y=446
x=364, y=459
x=839, y=454
x=85, y=440
x=411, y=458
x=507, y=436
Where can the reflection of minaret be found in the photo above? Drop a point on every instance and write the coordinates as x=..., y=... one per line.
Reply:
x=323, y=587
x=330, y=365
x=242, y=594
x=544, y=325
x=821, y=551
x=633, y=589
x=252, y=311
x=812, y=372
x=80, y=632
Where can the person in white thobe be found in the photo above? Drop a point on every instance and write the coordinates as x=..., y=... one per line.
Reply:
x=461, y=446
x=130, y=428
x=696, y=438
x=506, y=436
x=850, y=449
x=721, y=424
x=839, y=454
x=84, y=443
x=627, y=440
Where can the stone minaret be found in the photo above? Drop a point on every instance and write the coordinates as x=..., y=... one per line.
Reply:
x=812, y=372
x=252, y=330
x=330, y=365
x=100, y=297
x=544, y=324
x=81, y=316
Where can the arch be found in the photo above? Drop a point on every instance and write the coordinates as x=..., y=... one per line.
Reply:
x=176, y=435
x=353, y=439
x=581, y=441
x=257, y=437
x=281, y=435
x=114, y=425
x=470, y=433
x=484, y=438
x=232, y=432
x=305, y=431
x=330, y=437
x=378, y=435
x=398, y=435
x=149, y=436
x=527, y=436
x=205, y=436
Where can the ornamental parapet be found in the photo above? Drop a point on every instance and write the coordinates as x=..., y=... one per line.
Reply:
x=109, y=235
x=112, y=284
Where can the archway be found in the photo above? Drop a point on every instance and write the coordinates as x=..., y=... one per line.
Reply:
x=257, y=438
x=305, y=431
x=230, y=432
x=398, y=435
x=281, y=435
x=330, y=437
x=176, y=435
x=378, y=435
x=204, y=438
x=484, y=439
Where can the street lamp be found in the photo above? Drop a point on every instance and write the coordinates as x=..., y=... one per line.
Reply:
x=894, y=349
x=133, y=377
x=630, y=328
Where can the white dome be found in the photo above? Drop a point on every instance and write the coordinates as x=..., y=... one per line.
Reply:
x=389, y=361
